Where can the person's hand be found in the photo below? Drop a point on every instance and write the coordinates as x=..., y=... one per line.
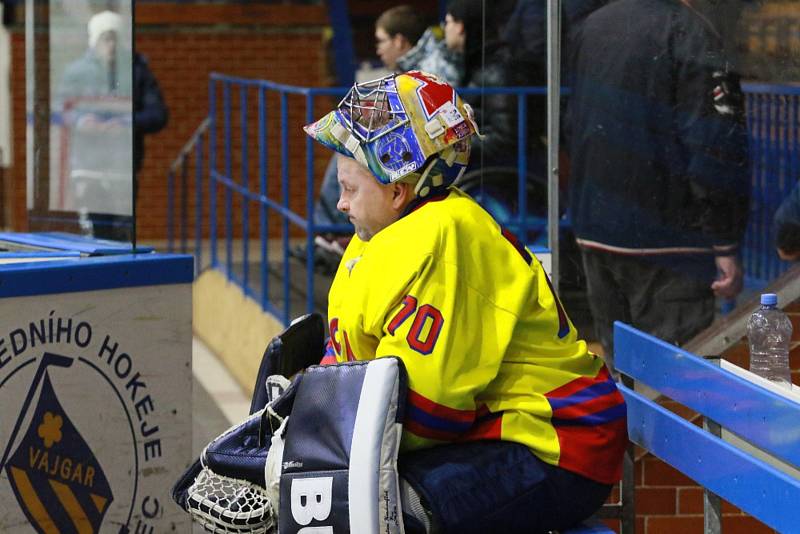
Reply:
x=786, y=255
x=88, y=122
x=96, y=123
x=730, y=277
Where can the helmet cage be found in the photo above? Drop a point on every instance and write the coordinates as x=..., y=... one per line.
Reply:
x=372, y=109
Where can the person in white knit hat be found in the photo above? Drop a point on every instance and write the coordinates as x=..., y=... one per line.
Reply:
x=102, y=80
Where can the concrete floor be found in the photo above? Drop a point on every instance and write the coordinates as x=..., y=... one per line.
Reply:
x=217, y=401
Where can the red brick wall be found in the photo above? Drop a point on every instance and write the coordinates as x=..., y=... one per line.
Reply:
x=279, y=43
x=182, y=63
x=667, y=502
x=16, y=173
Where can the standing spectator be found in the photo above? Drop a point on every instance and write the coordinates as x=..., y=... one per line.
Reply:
x=109, y=93
x=526, y=28
x=658, y=185
x=787, y=226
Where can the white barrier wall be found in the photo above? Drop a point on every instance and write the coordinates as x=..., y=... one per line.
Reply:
x=95, y=389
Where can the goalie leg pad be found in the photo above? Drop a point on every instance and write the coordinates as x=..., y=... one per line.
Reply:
x=340, y=452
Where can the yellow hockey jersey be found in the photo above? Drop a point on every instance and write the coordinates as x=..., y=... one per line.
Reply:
x=489, y=351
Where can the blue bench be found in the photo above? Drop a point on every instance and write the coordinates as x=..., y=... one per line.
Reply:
x=726, y=467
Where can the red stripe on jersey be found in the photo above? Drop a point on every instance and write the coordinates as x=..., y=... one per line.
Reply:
x=334, y=329
x=440, y=410
x=328, y=359
x=490, y=428
x=330, y=355
x=570, y=388
x=594, y=451
x=515, y=242
x=427, y=432
x=350, y=356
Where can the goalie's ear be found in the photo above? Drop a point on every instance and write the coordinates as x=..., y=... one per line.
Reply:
x=302, y=344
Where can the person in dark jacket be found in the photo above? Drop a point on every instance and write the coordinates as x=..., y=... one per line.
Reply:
x=150, y=113
x=659, y=184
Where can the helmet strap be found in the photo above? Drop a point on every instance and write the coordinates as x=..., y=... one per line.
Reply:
x=426, y=182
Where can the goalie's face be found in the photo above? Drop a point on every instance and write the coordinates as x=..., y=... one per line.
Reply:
x=370, y=205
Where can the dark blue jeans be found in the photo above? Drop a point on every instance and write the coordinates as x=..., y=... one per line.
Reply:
x=497, y=486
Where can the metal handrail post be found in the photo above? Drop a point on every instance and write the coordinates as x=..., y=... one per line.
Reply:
x=285, y=186
x=198, y=205
x=246, y=185
x=262, y=189
x=522, y=165
x=184, y=204
x=212, y=172
x=712, y=503
x=553, y=130
x=310, y=207
x=226, y=107
x=170, y=211
x=627, y=487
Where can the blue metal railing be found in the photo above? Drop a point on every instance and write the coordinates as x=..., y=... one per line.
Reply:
x=773, y=124
x=242, y=189
x=234, y=181
x=772, y=113
x=181, y=167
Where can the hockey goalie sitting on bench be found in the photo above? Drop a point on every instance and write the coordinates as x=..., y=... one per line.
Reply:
x=509, y=423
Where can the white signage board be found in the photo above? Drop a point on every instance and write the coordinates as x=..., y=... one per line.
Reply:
x=95, y=389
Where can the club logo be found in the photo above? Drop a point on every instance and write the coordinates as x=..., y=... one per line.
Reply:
x=80, y=432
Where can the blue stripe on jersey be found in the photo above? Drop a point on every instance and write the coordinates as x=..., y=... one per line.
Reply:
x=592, y=392
x=437, y=423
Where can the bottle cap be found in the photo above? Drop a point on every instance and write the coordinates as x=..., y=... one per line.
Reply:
x=769, y=299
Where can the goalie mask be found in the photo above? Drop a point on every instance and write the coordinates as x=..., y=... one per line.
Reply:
x=411, y=127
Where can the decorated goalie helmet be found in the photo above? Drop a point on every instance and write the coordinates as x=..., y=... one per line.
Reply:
x=411, y=127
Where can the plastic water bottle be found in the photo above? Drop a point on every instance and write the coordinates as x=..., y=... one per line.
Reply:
x=85, y=223
x=769, y=332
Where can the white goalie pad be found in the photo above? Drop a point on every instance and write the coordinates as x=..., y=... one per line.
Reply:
x=340, y=452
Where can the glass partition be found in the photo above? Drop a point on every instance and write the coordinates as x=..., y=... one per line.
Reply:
x=80, y=128
x=663, y=139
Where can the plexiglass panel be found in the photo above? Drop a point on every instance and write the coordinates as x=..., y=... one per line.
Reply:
x=675, y=148
x=81, y=71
